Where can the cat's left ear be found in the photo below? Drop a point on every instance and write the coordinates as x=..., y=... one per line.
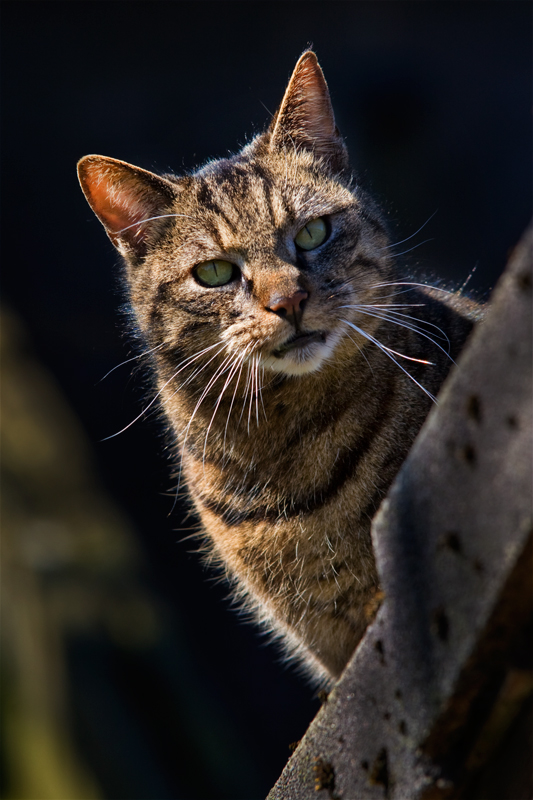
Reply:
x=128, y=201
x=305, y=117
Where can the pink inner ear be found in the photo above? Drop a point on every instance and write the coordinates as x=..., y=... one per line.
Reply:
x=310, y=100
x=115, y=199
x=123, y=196
x=305, y=116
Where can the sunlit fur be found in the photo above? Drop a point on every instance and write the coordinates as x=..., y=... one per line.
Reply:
x=286, y=454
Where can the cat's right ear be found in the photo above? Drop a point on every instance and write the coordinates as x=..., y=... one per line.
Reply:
x=305, y=117
x=127, y=200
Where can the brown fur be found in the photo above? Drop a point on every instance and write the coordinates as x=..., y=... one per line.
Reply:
x=286, y=456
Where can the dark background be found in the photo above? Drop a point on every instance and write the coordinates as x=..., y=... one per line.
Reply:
x=434, y=100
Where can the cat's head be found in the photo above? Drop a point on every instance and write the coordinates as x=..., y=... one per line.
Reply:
x=259, y=253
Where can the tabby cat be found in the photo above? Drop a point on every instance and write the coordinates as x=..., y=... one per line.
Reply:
x=294, y=364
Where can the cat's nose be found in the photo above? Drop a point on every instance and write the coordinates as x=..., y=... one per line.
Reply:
x=292, y=306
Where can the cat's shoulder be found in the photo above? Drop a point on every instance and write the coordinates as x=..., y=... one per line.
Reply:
x=468, y=307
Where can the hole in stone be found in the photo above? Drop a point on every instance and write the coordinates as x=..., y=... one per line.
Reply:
x=364, y=765
x=469, y=454
x=478, y=566
x=398, y=694
x=512, y=422
x=386, y=715
x=379, y=647
x=452, y=541
x=380, y=770
x=324, y=774
x=442, y=625
x=402, y=727
x=524, y=281
x=473, y=408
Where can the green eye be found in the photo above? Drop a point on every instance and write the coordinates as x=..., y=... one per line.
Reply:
x=214, y=273
x=312, y=235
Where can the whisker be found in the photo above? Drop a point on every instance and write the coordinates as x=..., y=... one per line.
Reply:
x=218, y=372
x=362, y=352
x=467, y=281
x=389, y=305
x=152, y=401
x=393, y=314
x=227, y=364
x=200, y=369
x=411, y=283
x=246, y=388
x=261, y=392
x=129, y=360
x=233, y=397
x=409, y=358
x=252, y=382
x=257, y=390
x=232, y=372
x=416, y=326
x=385, y=350
x=388, y=247
x=414, y=247
x=150, y=219
x=394, y=294
x=400, y=324
x=419, y=321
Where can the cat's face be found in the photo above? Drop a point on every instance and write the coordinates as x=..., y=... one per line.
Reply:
x=284, y=236
x=265, y=251
x=253, y=257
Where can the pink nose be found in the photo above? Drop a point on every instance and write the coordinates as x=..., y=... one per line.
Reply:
x=288, y=305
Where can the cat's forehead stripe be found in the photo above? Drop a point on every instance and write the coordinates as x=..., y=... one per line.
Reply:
x=208, y=201
x=236, y=191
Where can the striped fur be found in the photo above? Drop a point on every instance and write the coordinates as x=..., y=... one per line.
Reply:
x=287, y=454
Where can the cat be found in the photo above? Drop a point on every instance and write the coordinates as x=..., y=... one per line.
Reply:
x=293, y=361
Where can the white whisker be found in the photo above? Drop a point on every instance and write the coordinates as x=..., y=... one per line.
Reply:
x=388, y=354
x=150, y=219
x=261, y=392
x=392, y=314
x=152, y=401
x=390, y=305
x=200, y=369
x=414, y=247
x=218, y=372
x=411, y=283
x=414, y=328
x=252, y=383
x=246, y=388
x=234, y=367
x=420, y=322
x=133, y=358
x=257, y=390
x=362, y=353
x=234, y=395
x=467, y=281
x=389, y=246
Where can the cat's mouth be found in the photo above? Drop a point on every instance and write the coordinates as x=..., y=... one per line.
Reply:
x=298, y=341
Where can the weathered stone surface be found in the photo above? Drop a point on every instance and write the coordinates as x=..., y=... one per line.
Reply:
x=442, y=676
